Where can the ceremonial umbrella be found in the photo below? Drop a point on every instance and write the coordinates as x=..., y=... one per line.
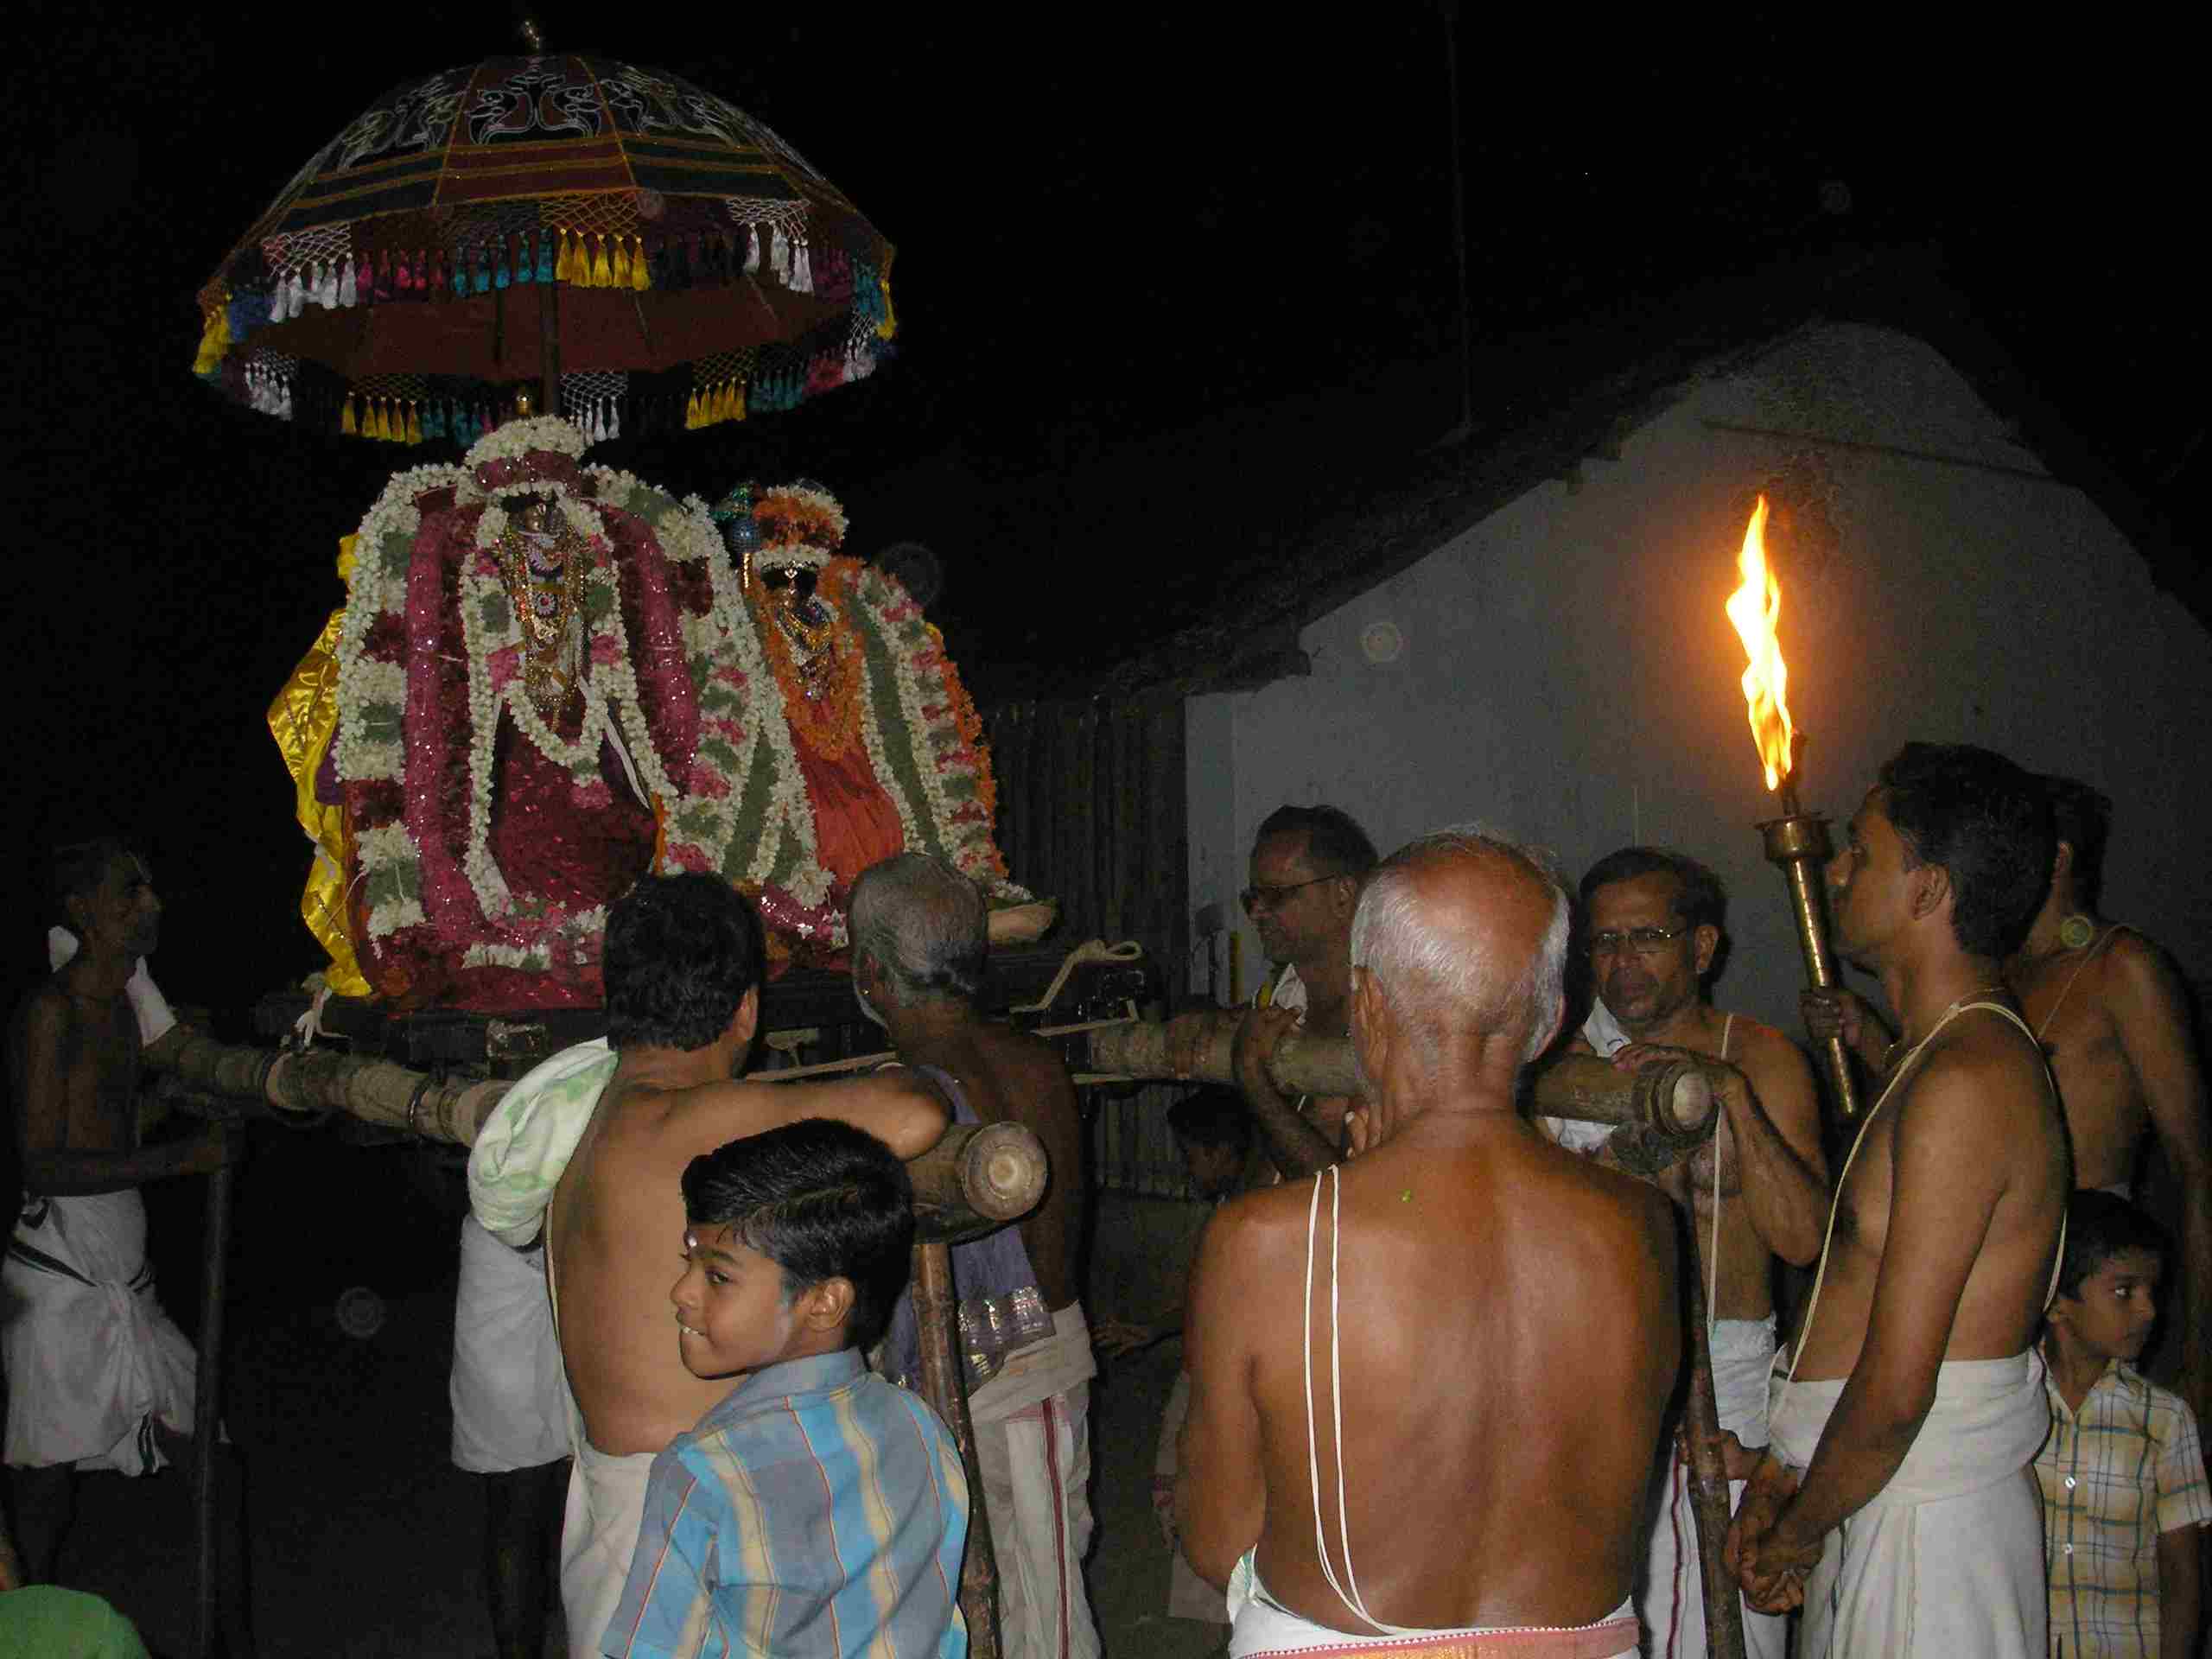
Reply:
x=638, y=252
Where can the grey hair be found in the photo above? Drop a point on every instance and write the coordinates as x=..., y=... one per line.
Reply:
x=924, y=925
x=1409, y=957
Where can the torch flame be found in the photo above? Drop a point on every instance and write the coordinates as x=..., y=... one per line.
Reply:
x=1754, y=608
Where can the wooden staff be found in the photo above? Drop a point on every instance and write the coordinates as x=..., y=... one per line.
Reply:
x=207, y=1416
x=1709, y=1509
x=1670, y=1106
x=936, y=1318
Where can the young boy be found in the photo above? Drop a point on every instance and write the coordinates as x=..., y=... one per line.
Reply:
x=2122, y=1475
x=818, y=1509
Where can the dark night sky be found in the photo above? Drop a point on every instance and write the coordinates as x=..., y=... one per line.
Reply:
x=1118, y=241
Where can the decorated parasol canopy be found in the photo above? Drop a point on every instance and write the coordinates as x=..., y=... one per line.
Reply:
x=636, y=252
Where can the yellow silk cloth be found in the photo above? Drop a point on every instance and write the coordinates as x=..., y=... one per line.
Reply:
x=303, y=719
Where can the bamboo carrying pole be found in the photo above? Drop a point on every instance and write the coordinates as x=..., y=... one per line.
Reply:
x=978, y=1177
x=1671, y=1105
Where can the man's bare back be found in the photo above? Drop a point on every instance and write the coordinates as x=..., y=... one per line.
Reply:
x=2072, y=1000
x=614, y=1229
x=1509, y=1339
x=1010, y=1077
x=1985, y=1138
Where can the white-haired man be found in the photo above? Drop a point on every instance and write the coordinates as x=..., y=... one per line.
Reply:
x=1481, y=1283
x=919, y=946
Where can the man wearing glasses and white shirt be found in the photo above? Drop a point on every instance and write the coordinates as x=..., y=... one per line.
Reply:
x=1652, y=920
x=1309, y=866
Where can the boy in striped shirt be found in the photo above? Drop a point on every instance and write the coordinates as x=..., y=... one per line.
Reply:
x=2122, y=1474
x=818, y=1509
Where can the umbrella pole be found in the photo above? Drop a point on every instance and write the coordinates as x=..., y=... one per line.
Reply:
x=207, y=1409
x=549, y=347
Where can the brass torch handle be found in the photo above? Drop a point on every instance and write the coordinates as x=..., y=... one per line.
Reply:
x=1799, y=846
x=1820, y=972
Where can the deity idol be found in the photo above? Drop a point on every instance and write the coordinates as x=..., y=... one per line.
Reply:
x=551, y=677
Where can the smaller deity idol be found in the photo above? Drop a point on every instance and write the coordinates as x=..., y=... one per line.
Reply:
x=879, y=750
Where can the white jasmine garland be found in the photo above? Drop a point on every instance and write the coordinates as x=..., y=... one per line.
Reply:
x=376, y=590
x=809, y=882
x=391, y=859
x=512, y=441
x=880, y=595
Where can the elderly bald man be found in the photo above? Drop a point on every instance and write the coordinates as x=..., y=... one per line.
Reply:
x=1433, y=1318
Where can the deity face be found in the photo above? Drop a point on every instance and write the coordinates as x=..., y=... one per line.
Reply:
x=790, y=585
x=535, y=516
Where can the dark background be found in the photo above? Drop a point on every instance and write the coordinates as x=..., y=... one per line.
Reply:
x=1150, y=264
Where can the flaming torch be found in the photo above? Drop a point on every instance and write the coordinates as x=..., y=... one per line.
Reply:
x=1796, y=842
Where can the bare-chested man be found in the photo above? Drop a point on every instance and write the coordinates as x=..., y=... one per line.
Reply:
x=1897, y=1501
x=682, y=968
x=1654, y=920
x=1478, y=1331
x=99, y=1376
x=1308, y=865
x=2113, y=1014
x=920, y=950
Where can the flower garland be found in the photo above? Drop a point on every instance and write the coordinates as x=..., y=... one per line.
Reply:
x=728, y=790
x=951, y=773
x=799, y=524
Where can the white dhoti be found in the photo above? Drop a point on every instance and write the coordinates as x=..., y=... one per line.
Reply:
x=510, y=1394
x=1264, y=1627
x=1032, y=1448
x=598, y=1533
x=92, y=1361
x=1946, y=1559
x=1670, y=1597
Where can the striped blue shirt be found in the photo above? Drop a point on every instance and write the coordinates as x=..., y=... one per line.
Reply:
x=818, y=1509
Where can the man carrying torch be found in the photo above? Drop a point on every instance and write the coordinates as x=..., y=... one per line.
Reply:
x=1913, y=1402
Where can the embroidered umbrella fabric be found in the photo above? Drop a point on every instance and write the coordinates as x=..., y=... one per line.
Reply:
x=667, y=258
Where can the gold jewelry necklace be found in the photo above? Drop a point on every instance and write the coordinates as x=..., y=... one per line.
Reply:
x=546, y=606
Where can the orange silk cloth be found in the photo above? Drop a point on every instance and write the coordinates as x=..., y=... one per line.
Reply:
x=857, y=823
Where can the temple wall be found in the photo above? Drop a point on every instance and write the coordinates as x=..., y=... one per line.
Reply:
x=1566, y=672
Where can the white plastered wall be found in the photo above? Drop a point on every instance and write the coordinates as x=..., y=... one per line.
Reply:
x=1566, y=672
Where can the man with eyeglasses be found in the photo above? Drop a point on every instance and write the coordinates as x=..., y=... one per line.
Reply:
x=1653, y=920
x=1309, y=866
